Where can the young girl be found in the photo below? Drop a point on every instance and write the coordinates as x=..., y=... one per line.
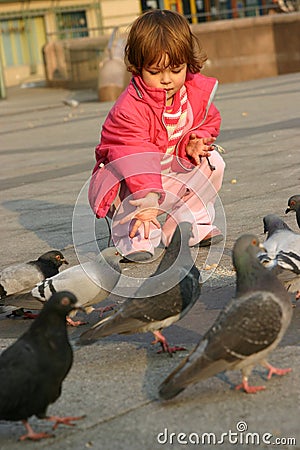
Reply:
x=156, y=153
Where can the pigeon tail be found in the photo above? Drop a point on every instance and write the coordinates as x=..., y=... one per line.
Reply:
x=192, y=369
x=111, y=325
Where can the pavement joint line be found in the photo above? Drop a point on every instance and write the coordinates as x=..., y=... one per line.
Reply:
x=32, y=110
x=121, y=414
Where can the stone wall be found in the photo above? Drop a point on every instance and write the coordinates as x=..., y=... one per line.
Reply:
x=238, y=50
x=253, y=47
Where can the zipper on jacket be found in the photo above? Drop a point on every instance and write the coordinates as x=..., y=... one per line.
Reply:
x=140, y=95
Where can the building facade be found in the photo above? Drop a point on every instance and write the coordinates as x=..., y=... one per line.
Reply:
x=27, y=26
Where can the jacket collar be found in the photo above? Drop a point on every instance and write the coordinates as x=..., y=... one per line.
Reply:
x=156, y=97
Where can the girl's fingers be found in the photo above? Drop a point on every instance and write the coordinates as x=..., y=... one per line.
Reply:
x=135, y=228
x=156, y=223
x=146, y=229
x=146, y=225
x=135, y=202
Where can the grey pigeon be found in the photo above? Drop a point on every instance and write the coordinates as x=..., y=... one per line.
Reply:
x=33, y=368
x=294, y=205
x=282, y=252
x=248, y=329
x=92, y=281
x=22, y=277
x=179, y=283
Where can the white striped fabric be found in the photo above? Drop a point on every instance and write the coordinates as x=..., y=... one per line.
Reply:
x=175, y=118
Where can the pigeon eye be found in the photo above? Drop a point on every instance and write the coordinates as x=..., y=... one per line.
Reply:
x=254, y=242
x=57, y=257
x=293, y=203
x=65, y=301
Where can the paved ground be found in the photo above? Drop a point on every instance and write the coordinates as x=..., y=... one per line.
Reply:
x=47, y=153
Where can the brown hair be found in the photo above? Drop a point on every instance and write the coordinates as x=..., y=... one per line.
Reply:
x=157, y=33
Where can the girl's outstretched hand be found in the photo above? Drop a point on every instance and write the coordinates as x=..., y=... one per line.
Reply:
x=198, y=147
x=147, y=210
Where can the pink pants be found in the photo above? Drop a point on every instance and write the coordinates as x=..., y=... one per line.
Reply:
x=190, y=196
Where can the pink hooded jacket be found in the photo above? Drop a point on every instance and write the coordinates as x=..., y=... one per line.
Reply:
x=134, y=139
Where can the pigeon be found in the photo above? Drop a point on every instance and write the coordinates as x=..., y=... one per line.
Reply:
x=282, y=252
x=33, y=368
x=178, y=280
x=92, y=281
x=22, y=277
x=245, y=332
x=294, y=205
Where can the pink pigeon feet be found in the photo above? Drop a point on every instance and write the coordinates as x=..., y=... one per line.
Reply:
x=249, y=389
x=105, y=309
x=73, y=323
x=63, y=420
x=276, y=370
x=58, y=420
x=159, y=338
x=32, y=435
x=272, y=371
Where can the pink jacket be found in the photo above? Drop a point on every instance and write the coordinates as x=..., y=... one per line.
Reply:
x=134, y=139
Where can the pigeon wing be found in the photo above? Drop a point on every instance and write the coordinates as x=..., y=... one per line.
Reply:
x=19, y=278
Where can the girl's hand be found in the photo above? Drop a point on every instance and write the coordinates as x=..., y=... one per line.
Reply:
x=146, y=212
x=198, y=147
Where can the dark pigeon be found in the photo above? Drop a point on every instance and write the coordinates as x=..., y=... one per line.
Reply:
x=33, y=368
x=177, y=283
x=294, y=205
x=248, y=329
x=282, y=252
x=19, y=278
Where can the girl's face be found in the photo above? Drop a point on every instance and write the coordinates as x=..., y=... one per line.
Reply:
x=161, y=75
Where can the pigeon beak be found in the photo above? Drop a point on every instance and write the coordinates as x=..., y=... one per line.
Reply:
x=80, y=308
x=287, y=210
x=64, y=261
x=262, y=247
